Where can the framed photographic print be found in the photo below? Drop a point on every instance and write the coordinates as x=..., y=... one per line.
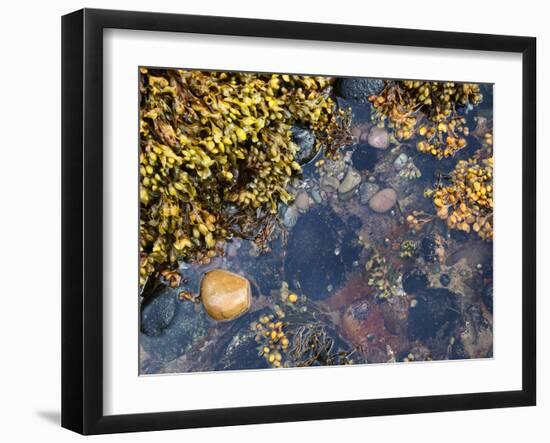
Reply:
x=270, y=221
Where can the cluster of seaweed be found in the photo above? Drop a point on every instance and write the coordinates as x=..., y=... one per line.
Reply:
x=382, y=276
x=466, y=201
x=271, y=337
x=312, y=346
x=216, y=155
x=271, y=328
x=293, y=334
x=408, y=249
x=433, y=110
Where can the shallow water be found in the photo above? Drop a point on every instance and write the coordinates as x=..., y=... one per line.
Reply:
x=439, y=304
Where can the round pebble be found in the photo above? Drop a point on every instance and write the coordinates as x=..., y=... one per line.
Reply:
x=444, y=279
x=383, y=200
x=302, y=201
x=378, y=138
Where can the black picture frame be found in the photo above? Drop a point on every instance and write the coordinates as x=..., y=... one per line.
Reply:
x=82, y=219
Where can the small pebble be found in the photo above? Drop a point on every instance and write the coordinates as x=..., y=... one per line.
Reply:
x=378, y=138
x=400, y=161
x=444, y=279
x=302, y=201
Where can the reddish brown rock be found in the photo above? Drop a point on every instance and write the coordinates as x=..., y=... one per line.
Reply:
x=363, y=325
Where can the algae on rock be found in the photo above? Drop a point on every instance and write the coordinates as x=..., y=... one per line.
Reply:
x=216, y=154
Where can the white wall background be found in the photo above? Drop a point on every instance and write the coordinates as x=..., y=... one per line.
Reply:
x=30, y=219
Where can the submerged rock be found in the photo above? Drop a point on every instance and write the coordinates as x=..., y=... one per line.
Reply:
x=383, y=201
x=435, y=315
x=290, y=216
x=354, y=223
x=364, y=326
x=414, y=281
x=366, y=191
x=400, y=161
x=302, y=201
x=360, y=131
x=157, y=311
x=487, y=297
x=305, y=139
x=359, y=89
x=316, y=196
x=310, y=262
x=237, y=348
x=264, y=271
x=350, y=182
x=428, y=249
x=329, y=183
x=378, y=138
x=188, y=326
x=444, y=279
x=364, y=157
x=225, y=295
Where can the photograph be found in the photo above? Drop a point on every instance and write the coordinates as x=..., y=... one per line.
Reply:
x=249, y=221
x=291, y=220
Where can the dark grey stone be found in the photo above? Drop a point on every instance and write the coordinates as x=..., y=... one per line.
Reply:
x=189, y=325
x=364, y=157
x=435, y=315
x=310, y=260
x=359, y=89
x=157, y=311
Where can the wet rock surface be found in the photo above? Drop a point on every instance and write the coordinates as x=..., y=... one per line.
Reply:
x=414, y=281
x=434, y=316
x=302, y=201
x=487, y=297
x=359, y=88
x=400, y=161
x=477, y=333
x=365, y=326
x=188, y=326
x=364, y=157
x=305, y=139
x=444, y=279
x=428, y=249
x=157, y=311
x=367, y=191
x=329, y=183
x=349, y=184
x=265, y=270
x=378, y=138
x=237, y=348
x=290, y=216
x=311, y=263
